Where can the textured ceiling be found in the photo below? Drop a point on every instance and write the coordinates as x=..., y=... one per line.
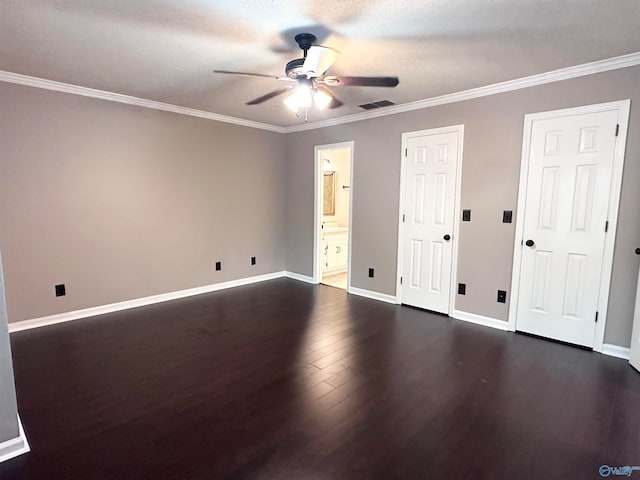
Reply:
x=165, y=50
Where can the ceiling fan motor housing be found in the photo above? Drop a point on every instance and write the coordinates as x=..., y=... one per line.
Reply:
x=305, y=41
x=308, y=74
x=294, y=68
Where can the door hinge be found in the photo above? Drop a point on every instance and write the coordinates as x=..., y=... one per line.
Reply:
x=406, y=152
x=400, y=280
x=596, y=317
x=617, y=129
x=606, y=226
x=403, y=218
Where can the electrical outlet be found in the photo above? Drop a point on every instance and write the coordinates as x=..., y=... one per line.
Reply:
x=371, y=273
x=466, y=215
x=218, y=266
x=61, y=291
x=502, y=296
x=462, y=289
x=253, y=260
x=507, y=216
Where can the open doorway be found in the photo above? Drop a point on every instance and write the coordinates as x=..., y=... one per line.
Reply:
x=332, y=252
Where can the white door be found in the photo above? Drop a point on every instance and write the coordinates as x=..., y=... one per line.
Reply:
x=430, y=182
x=635, y=336
x=565, y=221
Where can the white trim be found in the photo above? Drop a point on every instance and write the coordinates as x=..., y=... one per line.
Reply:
x=382, y=297
x=317, y=211
x=16, y=446
x=457, y=205
x=9, y=77
x=300, y=278
x=614, y=63
x=459, y=129
x=480, y=320
x=349, y=232
x=623, y=108
x=616, y=351
x=138, y=302
x=608, y=64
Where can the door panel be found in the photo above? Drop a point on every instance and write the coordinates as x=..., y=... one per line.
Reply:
x=418, y=199
x=430, y=184
x=568, y=186
x=416, y=263
x=436, y=267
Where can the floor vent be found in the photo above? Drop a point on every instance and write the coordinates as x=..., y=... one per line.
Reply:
x=381, y=103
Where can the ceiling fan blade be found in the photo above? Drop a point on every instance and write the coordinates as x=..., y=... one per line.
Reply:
x=318, y=60
x=246, y=74
x=335, y=103
x=268, y=96
x=361, y=81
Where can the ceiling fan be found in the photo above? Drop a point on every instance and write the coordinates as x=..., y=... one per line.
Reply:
x=305, y=77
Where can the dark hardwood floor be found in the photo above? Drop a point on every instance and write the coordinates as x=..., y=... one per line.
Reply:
x=284, y=380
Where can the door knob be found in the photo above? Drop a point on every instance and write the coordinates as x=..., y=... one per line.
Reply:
x=447, y=237
x=637, y=251
x=529, y=243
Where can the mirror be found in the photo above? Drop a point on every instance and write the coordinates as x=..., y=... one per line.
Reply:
x=329, y=194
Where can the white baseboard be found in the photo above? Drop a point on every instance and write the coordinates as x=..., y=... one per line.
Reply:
x=16, y=446
x=299, y=277
x=138, y=302
x=480, y=320
x=19, y=445
x=383, y=297
x=616, y=351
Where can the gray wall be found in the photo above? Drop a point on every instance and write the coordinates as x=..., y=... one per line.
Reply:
x=120, y=202
x=8, y=407
x=492, y=151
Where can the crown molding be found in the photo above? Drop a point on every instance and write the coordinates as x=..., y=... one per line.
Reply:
x=614, y=63
x=19, y=79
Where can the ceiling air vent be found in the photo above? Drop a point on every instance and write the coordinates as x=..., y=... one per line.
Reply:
x=381, y=103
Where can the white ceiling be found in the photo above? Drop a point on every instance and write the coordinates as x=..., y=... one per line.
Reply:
x=165, y=50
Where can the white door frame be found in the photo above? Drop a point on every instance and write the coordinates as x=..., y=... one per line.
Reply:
x=317, y=207
x=456, y=207
x=623, y=108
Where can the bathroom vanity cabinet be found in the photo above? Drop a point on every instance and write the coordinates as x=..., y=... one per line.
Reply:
x=335, y=244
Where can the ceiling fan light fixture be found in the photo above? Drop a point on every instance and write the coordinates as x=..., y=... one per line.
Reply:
x=321, y=99
x=292, y=103
x=303, y=94
x=300, y=98
x=307, y=76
